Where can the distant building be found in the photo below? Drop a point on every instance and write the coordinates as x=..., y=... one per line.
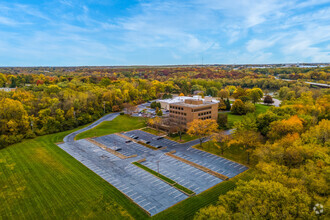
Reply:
x=165, y=103
x=8, y=89
x=190, y=109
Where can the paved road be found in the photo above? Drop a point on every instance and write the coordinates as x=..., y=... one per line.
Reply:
x=108, y=117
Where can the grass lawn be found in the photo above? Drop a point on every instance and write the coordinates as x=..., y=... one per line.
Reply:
x=119, y=124
x=153, y=131
x=260, y=108
x=184, y=138
x=38, y=180
x=234, y=153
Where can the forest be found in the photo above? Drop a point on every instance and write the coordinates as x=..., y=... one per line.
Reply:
x=49, y=100
x=287, y=146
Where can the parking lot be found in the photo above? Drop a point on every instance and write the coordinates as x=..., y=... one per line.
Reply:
x=116, y=142
x=152, y=138
x=213, y=162
x=182, y=173
x=146, y=190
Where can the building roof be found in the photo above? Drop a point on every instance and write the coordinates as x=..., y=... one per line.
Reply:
x=183, y=98
x=205, y=103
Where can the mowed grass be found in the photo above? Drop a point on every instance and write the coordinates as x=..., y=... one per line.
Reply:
x=184, y=138
x=38, y=180
x=232, y=118
x=119, y=124
x=235, y=152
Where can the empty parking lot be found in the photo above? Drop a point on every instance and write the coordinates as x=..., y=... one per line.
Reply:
x=149, y=192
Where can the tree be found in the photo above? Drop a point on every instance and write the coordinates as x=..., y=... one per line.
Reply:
x=222, y=120
x=228, y=106
x=212, y=91
x=223, y=94
x=159, y=112
x=238, y=107
x=155, y=122
x=268, y=100
x=260, y=200
x=239, y=92
x=221, y=140
x=255, y=95
x=177, y=127
x=319, y=134
x=202, y=128
x=248, y=139
x=279, y=129
x=129, y=108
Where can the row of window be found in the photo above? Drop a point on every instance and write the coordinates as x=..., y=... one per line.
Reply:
x=201, y=109
x=178, y=113
x=206, y=117
x=204, y=113
x=176, y=107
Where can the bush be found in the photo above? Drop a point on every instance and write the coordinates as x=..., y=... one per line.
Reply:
x=122, y=113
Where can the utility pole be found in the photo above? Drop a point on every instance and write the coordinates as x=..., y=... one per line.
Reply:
x=158, y=166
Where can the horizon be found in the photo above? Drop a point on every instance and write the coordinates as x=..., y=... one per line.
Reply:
x=71, y=33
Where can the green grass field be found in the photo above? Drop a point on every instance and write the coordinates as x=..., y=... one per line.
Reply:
x=153, y=131
x=38, y=180
x=234, y=153
x=184, y=138
x=119, y=124
x=260, y=108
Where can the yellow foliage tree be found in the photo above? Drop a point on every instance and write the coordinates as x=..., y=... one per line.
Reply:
x=202, y=128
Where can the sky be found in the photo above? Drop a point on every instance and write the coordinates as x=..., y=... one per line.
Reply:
x=141, y=32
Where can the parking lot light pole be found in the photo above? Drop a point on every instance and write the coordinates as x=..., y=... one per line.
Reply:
x=158, y=166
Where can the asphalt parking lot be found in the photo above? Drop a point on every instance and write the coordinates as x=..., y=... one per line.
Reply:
x=213, y=162
x=145, y=189
x=128, y=149
x=152, y=138
x=182, y=173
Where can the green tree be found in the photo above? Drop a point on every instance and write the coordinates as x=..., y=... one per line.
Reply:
x=238, y=107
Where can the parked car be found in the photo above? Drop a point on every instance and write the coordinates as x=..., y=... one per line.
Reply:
x=159, y=138
x=128, y=141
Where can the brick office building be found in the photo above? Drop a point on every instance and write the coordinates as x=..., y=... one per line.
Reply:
x=191, y=109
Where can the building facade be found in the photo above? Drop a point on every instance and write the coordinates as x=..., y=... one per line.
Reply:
x=185, y=112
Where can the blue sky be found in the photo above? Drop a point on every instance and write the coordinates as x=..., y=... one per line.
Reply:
x=122, y=32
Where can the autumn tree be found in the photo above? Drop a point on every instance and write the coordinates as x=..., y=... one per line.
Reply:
x=238, y=107
x=223, y=94
x=279, y=129
x=260, y=200
x=221, y=140
x=248, y=139
x=202, y=128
